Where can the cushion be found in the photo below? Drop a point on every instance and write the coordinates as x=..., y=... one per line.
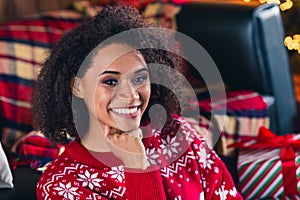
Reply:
x=33, y=150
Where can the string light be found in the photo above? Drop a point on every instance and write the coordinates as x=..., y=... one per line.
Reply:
x=270, y=1
x=288, y=4
x=291, y=42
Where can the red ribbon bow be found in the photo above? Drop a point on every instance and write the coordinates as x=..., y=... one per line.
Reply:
x=267, y=139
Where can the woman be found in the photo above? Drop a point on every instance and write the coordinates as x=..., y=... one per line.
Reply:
x=102, y=96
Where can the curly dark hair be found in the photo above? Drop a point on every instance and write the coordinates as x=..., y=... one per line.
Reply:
x=52, y=102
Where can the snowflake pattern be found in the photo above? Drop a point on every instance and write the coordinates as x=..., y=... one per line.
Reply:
x=188, y=136
x=202, y=155
x=205, y=158
x=169, y=146
x=151, y=156
x=90, y=180
x=117, y=173
x=66, y=191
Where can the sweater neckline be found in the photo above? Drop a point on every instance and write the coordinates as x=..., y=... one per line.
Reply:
x=79, y=153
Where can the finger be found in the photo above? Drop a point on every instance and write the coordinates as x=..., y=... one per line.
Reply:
x=111, y=134
x=136, y=133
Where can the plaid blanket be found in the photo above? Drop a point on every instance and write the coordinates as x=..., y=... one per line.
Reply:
x=23, y=46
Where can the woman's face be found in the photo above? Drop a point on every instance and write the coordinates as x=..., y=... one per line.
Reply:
x=116, y=89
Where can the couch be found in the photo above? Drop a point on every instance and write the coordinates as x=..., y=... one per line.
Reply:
x=244, y=40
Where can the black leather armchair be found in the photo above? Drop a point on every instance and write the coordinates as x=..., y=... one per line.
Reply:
x=246, y=42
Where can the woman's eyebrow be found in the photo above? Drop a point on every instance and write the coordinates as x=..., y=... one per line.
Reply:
x=110, y=72
x=141, y=70
x=118, y=73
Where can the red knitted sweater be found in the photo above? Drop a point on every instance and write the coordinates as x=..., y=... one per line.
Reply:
x=181, y=166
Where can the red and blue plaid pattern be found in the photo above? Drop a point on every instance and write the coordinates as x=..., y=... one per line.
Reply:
x=23, y=48
x=33, y=150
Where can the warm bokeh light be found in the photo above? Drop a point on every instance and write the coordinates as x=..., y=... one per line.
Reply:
x=293, y=43
x=288, y=4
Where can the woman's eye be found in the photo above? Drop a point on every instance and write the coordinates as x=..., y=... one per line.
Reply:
x=110, y=82
x=140, y=79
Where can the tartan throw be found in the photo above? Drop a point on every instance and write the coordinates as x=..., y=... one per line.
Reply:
x=23, y=46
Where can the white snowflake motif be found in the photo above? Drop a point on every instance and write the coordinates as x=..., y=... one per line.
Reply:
x=117, y=173
x=202, y=154
x=188, y=136
x=169, y=146
x=222, y=193
x=90, y=180
x=205, y=158
x=151, y=157
x=67, y=191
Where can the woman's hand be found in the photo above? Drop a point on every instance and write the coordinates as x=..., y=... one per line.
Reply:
x=127, y=146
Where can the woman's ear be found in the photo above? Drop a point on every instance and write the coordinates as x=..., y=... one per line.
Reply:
x=75, y=85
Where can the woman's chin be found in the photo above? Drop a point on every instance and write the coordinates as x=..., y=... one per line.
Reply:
x=127, y=126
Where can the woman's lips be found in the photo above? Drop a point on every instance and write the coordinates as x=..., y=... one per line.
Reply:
x=127, y=112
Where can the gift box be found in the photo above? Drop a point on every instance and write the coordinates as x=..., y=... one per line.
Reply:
x=238, y=117
x=268, y=166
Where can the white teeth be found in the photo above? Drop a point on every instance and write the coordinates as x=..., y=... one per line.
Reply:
x=125, y=110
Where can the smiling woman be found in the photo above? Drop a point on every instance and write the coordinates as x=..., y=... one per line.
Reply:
x=103, y=97
x=116, y=94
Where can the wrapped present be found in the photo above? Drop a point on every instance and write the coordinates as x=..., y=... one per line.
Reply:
x=235, y=118
x=268, y=166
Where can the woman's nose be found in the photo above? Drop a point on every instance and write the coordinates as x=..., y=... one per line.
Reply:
x=127, y=91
